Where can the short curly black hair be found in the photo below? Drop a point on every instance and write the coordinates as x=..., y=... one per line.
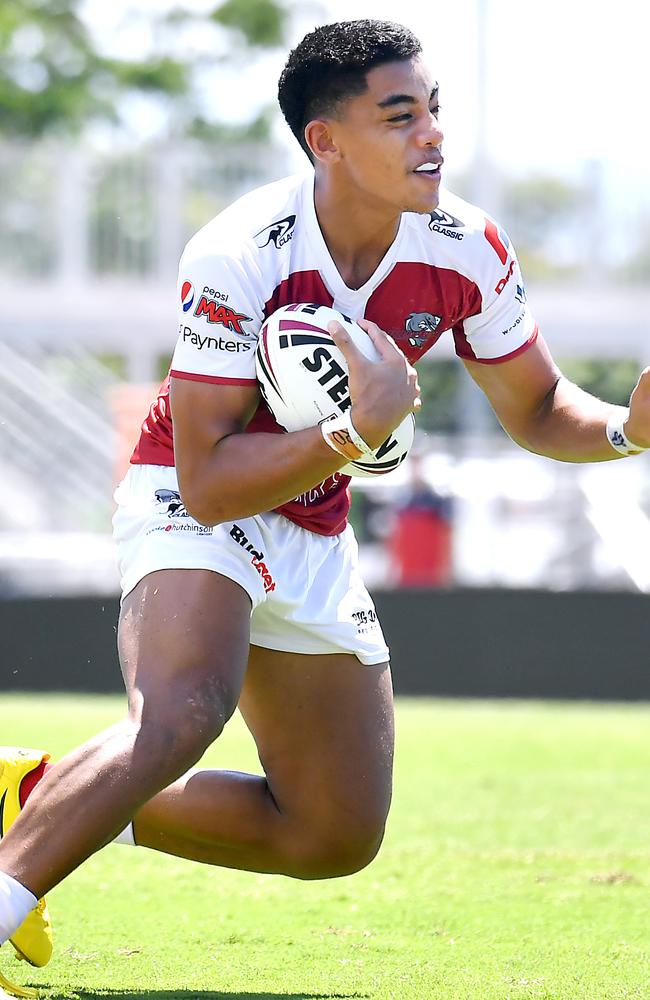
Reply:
x=330, y=65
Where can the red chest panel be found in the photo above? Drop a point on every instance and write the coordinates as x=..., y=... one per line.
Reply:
x=301, y=286
x=417, y=302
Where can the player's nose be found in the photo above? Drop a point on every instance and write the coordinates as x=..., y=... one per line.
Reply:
x=431, y=133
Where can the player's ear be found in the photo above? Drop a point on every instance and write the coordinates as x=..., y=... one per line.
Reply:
x=320, y=140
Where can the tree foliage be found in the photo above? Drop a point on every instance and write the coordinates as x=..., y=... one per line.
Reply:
x=56, y=75
x=260, y=22
x=543, y=211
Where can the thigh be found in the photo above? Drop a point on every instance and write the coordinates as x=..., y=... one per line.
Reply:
x=323, y=725
x=184, y=634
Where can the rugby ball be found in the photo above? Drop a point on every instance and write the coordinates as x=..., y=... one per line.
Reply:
x=303, y=377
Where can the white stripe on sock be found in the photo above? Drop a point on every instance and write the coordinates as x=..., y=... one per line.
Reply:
x=126, y=837
x=15, y=903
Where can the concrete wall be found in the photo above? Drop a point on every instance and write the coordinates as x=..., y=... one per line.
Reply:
x=473, y=643
x=524, y=644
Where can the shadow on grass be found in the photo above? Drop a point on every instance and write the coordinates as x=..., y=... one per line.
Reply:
x=201, y=995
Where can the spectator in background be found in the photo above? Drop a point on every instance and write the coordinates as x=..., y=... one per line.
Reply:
x=419, y=544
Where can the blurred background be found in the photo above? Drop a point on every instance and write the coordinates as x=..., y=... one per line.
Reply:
x=125, y=127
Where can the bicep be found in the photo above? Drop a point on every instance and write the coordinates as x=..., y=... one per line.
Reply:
x=203, y=413
x=518, y=389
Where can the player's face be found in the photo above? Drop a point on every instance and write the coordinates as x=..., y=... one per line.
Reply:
x=389, y=138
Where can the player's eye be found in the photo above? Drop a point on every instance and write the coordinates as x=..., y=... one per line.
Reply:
x=401, y=118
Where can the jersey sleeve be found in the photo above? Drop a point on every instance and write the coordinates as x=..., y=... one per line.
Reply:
x=505, y=326
x=219, y=318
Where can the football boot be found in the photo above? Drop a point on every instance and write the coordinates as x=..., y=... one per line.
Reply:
x=32, y=941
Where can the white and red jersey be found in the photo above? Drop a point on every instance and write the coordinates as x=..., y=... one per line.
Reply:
x=453, y=271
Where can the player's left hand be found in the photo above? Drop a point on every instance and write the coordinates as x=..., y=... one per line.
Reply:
x=637, y=425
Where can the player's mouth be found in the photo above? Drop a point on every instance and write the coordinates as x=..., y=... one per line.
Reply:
x=430, y=170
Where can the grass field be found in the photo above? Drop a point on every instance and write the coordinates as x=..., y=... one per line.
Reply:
x=516, y=865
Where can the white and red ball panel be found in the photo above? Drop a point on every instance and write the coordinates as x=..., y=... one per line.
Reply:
x=304, y=378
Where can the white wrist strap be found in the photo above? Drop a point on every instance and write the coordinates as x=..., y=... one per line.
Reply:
x=618, y=438
x=341, y=435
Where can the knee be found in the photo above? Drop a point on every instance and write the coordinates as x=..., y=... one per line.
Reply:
x=336, y=851
x=179, y=727
x=182, y=739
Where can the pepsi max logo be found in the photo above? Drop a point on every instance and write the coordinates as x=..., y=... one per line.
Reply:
x=187, y=296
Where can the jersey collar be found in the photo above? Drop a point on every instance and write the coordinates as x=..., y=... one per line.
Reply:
x=328, y=268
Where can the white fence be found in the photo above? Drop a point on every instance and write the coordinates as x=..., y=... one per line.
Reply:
x=89, y=243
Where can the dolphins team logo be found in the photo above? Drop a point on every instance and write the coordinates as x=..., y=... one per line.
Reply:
x=187, y=296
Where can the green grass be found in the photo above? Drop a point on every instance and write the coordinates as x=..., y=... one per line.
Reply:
x=516, y=865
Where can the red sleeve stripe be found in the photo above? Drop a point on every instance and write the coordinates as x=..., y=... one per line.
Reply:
x=215, y=379
x=508, y=357
x=495, y=241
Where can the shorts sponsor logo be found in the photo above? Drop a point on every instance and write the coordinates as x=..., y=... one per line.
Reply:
x=420, y=325
x=195, y=529
x=279, y=233
x=170, y=505
x=211, y=343
x=500, y=285
x=187, y=296
x=221, y=315
x=365, y=621
x=257, y=557
x=171, y=501
x=445, y=224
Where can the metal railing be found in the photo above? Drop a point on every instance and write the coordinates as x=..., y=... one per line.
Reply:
x=72, y=213
x=57, y=442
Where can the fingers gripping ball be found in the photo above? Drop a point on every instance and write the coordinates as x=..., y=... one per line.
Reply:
x=303, y=376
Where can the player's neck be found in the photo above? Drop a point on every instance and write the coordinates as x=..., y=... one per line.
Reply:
x=357, y=234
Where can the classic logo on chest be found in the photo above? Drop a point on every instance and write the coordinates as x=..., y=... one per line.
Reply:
x=446, y=224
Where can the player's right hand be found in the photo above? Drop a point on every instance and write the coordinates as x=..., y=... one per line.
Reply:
x=384, y=391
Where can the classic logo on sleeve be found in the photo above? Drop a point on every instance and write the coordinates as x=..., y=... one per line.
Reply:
x=279, y=233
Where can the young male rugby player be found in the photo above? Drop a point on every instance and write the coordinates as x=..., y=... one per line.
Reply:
x=240, y=577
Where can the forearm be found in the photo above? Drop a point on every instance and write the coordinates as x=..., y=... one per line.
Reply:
x=570, y=426
x=245, y=474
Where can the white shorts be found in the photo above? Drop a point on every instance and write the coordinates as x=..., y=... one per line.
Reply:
x=306, y=590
